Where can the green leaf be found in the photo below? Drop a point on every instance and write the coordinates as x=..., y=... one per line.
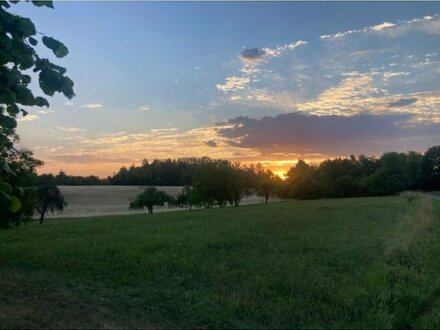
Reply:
x=3, y=140
x=7, y=122
x=41, y=3
x=25, y=26
x=24, y=95
x=60, y=69
x=57, y=47
x=25, y=79
x=50, y=81
x=13, y=110
x=5, y=167
x=5, y=188
x=15, y=204
x=33, y=41
x=41, y=101
x=7, y=97
x=67, y=87
x=25, y=60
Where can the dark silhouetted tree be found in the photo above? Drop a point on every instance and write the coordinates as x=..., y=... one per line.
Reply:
x=266, y=183
x=189, y=197
x=151, y=197
x=430, y=173
x=304, y=182
x=49, y=197
x=18, y=56
x=241, y=181
x=19, y=181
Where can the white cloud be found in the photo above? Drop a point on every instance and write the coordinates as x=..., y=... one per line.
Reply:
x=28, y=118
x=382, y=26
x=100, y=152
x=92, y=106
x=277, y=51
x=145, y=108
x=71, y=129
x=69, y=104
x=251, y=60
x=45, y=111
x=426, y=24
x=233, y=83
x=388, y=75
x=358, y=94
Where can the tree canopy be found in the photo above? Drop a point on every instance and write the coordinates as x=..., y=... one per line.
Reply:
x=149, y=198
x=49, y=197
x=19, y=65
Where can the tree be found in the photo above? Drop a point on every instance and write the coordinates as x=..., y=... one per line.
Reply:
x=189, y=196
x=303, y=181
x=390, y=177
x=19, y=182
x=241, y=183
x=214, y=182
x=430, y=175
x=49, y=197
x=18, y=37
x=266, y=183
x=149, y=198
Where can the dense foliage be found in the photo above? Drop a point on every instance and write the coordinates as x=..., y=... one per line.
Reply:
x=19, y=65
x=365, y=176
x=149, y=198
x=17, y=204
x=166, y=172
x=49, y=197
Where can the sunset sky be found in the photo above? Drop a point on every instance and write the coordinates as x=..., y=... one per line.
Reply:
x=251, y=82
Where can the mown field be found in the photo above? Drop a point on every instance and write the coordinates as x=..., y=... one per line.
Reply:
x=362, y=262
x=86, y=201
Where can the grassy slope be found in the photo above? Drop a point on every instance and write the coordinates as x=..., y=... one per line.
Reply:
x=289, y=264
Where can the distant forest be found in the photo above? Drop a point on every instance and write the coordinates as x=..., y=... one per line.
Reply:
x=338, y=177
x=160, y=172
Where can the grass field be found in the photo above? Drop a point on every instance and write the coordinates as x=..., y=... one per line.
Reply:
x=89, y=201
x=362, y=262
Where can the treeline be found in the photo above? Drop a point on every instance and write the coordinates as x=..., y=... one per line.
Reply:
x=393, y=172
x=215, y=183
x=62, y=179
x=220, y=182
x=160, y=172
x=339, y=177
x=164, y=172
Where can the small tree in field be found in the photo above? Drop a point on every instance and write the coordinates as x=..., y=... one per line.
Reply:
x=49, y=197
x=189, y=197
x=267, y=184
x=150, y=197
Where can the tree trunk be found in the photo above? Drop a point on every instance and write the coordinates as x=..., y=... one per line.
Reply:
x=42, y=217
x=190, y=206
x=266, y=198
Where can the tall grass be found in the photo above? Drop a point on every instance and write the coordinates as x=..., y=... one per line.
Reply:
x=410, y=245
x=411, y=286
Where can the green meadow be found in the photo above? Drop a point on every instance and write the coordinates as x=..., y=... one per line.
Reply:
x=359, y=262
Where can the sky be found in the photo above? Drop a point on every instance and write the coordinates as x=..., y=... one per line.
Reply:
x=267, y=82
